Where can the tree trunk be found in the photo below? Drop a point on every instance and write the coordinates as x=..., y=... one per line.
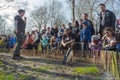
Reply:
x=73, y=10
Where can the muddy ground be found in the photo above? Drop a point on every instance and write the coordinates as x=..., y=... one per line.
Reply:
x=41, y=68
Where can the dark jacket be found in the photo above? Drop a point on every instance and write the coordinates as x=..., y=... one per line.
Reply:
x=109, y=20
x=75, y=31
x=21, y=24
x=54, y=32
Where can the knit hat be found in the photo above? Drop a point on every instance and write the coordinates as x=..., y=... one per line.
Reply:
x=95, y=37
x=85, y=23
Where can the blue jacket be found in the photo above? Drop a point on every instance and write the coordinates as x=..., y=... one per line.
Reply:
x=44, y=41
x=85, y=35
x=90, y=26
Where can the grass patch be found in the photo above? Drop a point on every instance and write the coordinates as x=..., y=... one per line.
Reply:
x=44, y=68
x=1, y=64
x=27, y=66
x=21, y=76
x=5, y=76
x=86, y=70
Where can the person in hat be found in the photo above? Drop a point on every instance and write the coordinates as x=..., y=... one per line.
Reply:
x=95, y=44
x=54, y=31
x=90, y=23
x=44, y=42
x=85, y=34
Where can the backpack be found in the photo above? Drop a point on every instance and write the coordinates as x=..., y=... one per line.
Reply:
x=92, y=27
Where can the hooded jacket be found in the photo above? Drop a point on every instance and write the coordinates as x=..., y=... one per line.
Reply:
x=85, y=35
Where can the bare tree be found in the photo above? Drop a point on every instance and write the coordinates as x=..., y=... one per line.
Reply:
x=55, y=11
x=113, y=5
x=39, y=17
x=2, y=25
x=60, y=20
x=22, y=5
x=5, y=4
x=87, y=6
x=90, y=7
x=50, y=14
x=72, y=5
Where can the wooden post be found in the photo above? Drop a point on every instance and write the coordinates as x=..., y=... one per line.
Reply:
x=111, y=64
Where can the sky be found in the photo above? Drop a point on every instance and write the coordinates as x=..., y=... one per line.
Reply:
x=32, y=4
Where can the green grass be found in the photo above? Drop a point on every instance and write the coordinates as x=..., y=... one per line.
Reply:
x=86, y=70
x=8, y=76
x=5, y=76
x=44, y=68
x=1, y=64
x=21, y=76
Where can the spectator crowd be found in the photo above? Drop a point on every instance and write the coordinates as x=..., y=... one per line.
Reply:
x=7, y=41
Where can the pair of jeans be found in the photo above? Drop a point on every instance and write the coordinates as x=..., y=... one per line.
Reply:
x=20, y=40
x=84, y=46
x=30, y=46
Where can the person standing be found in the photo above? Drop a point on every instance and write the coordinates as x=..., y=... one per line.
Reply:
x=48, y=33
x=30, y=42
x=54, y=31
x=107, y=18
x=62, y=29
x=89, y=22
x=75, y=30
x=44, y=30
x=80, y=24
x=20, y=24
x=36, y=39
x=70, y=26
x=85, y=35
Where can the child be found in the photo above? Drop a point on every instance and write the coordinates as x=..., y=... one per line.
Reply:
x=44, y=42
x=85, y=35
x=30, y=42
x=109, y=39
x=95, y=44
x=62, y=29
x=25, y=44
x=48, y=33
